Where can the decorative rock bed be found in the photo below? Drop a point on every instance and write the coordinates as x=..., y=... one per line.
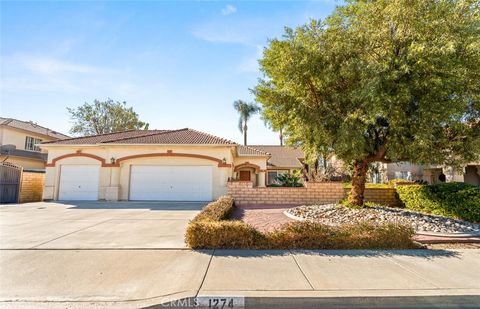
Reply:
x=332, y=214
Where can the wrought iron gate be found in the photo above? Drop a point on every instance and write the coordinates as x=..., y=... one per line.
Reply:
x=10, y=176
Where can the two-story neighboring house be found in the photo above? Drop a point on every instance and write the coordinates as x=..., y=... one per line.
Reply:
x=19, y=143
x=468, y=173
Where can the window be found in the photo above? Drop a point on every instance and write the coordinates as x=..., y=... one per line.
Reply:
x=407, y=175
x=30, y=143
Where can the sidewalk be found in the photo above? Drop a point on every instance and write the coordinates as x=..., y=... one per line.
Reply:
x=136, y=278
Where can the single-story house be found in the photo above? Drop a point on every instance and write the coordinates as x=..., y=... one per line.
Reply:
x=183, y=164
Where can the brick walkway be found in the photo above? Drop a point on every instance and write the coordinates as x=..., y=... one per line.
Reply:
x=263, y=217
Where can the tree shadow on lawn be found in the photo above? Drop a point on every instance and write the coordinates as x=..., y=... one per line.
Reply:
x=427, y=254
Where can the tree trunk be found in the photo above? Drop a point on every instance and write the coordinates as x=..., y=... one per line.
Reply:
x=245, y=128
x=359, y=178
x=281, y=137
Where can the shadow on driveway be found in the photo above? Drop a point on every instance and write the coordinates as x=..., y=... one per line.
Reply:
x=153, y=205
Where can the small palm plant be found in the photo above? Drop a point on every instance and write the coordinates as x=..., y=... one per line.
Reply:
x=246, y=111
x=290, y=180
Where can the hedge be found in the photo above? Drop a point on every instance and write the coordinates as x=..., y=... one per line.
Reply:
x=457, y=200
x=210, y=229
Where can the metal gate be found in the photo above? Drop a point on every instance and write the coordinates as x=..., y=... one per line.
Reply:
x=10, y=177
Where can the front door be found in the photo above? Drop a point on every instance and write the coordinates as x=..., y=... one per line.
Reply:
x=245, y=175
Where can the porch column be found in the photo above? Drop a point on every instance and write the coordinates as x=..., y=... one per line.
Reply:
x=113, y=190
x=261, y=179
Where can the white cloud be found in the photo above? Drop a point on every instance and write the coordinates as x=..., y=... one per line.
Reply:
x=51, y=66
x=248, y=31
x=46, y=73
x=250, y=64
x=229, y=9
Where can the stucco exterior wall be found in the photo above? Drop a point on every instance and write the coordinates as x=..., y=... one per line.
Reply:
x=415, y=170
x=11, y=136
x=115, y=180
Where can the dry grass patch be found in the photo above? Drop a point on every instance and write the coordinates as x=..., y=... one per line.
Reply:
x=211, y=229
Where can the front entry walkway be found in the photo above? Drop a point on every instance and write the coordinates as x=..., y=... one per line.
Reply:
x=263, y=217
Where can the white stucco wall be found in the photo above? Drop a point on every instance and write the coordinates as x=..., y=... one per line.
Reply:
x=11, y=136
x=115, y=181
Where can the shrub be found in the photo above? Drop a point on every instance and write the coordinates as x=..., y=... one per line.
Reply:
x=290, y=180
x=220, y=209
x=368, y=185
x=311, y=235
x=457, y=200
x=210, y=230
x=393, y=182
x=222, y=234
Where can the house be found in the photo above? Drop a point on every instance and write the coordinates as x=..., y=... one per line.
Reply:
x=184, y=164
x=283, y=159
x=468, y=173
x=19, y=143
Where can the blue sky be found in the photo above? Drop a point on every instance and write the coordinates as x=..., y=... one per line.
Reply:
x=179, y=64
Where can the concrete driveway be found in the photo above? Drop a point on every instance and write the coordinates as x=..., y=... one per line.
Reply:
x=96, y=225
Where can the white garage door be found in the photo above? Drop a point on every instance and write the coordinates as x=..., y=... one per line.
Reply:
x=170, y=183
x=79, y=182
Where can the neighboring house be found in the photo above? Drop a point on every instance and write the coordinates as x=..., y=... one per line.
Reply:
x=283, y=159
x=468, y=173
x=184, y=165
x=383, y=172
x=19, y=143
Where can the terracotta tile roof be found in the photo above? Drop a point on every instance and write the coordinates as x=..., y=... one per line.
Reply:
x=30, y=126
x=168, y=137
x=282, y=156
x=249, y=151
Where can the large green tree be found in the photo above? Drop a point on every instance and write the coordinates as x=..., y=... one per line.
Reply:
x=379, y=81
x=104, y=117
x=245, y=111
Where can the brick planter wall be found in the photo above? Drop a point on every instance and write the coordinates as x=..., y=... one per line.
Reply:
x=31, y=187
x=244, y=193
x=384, y=196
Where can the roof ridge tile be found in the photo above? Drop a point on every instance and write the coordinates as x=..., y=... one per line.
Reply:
x=86, y=136
x=152, y=133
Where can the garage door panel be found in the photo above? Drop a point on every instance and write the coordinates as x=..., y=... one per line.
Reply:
x=79, y=182
x=171, y=183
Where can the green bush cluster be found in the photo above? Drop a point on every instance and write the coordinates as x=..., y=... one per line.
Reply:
x=393, y=182
x=368, y=185
x=390, y=184
x=457, y=200
x=212, y=230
